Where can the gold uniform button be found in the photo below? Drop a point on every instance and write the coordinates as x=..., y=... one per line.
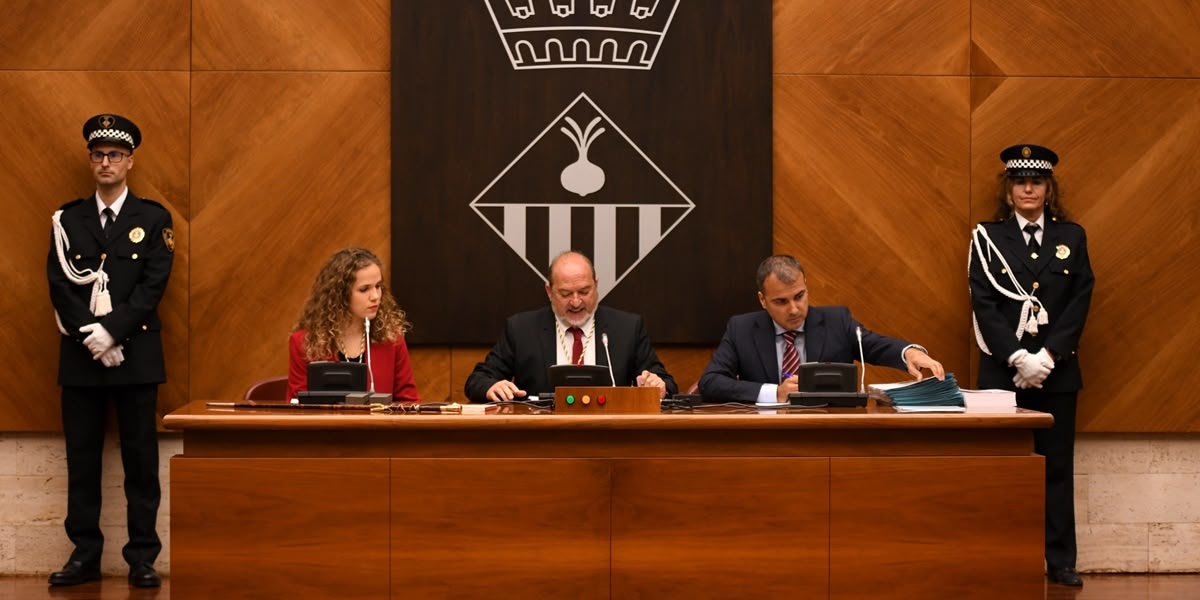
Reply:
x=1003, y=271
x=1035, y=285
x=145, y=328
x=1066, y=271
x=77, y=257
x=134, y=257
x=104, y=256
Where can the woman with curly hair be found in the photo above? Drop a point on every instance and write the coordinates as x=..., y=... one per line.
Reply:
x=348, y=291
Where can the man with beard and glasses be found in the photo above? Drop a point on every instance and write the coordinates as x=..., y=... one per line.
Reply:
x=571, y=330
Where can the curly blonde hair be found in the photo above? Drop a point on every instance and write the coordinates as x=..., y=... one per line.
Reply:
x=327, y=309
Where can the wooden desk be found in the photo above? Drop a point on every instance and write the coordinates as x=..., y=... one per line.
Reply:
x=835, y=503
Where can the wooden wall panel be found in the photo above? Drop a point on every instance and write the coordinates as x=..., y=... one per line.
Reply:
x=1128, y=150
x=287, y=169
x=49, y=167
x=302, y=35
x=870, y=196
x=927, y=37
x=100, y=35
x=431, y=372
x=1156, y=38
x=878, y=178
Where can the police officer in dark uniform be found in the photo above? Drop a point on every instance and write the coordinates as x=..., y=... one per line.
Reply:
x=109, y=261
x=1031, y=287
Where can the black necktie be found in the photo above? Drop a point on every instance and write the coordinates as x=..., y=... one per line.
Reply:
x=1034, y=246
x=109, y=217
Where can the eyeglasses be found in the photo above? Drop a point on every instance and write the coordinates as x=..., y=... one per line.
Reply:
x=113, y=157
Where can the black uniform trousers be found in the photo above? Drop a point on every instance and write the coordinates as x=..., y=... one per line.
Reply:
x=84, y=411
x=1057, y=444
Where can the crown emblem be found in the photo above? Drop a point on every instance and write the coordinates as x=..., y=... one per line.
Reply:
x=606, y=34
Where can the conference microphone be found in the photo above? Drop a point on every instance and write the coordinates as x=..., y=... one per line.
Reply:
x=370, y=396
x=611, y=377
x=862, y=381
x=370, y=374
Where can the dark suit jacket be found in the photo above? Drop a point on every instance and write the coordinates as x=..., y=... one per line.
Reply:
x=527, y=346
x=138, y=273
x=1064, y=285
x=746, y=359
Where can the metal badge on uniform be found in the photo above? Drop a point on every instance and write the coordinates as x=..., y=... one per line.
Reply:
x=1061, y=251
x=137, y=234
x=1026, y=152
x=169, y=239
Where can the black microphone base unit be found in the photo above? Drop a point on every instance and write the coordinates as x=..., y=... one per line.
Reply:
x=368, y=398
x=333, y=397
x=830, y=399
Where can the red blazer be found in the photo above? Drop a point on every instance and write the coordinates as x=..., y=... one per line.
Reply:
x=390, y=368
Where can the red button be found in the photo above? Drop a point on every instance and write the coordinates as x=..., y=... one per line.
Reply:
x=601, y=400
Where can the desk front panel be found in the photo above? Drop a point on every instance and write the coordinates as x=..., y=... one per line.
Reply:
x=720, y=528
x=279, y=528
x=978, y=519
x=490, y=528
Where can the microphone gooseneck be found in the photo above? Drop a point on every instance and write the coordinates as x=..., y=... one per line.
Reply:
x=370, y=375
x=611, y=377
x=862, y=380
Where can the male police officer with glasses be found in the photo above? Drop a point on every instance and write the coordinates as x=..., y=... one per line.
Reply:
x=109, y=261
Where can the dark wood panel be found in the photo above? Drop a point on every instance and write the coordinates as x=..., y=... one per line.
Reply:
x=462, y=361
x=233, y=519
x=54, y=170
x=679, y=185
x=283, y=178
x=1127, y=150
x=927, y=37
x=431, y=372
x=1157, y=38
x=454, y=525
x=891, y=514
x=668, y=515
x=300, y=35
x=96, y=35
x=870, y=189
x=1123, y=586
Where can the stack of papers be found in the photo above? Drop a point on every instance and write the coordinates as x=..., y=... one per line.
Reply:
x=991, y=400
x=927, y=395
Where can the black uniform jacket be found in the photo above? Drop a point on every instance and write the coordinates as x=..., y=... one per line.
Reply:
x=1061, y=277
x=137, y=257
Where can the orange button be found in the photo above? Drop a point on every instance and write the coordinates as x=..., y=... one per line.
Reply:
x=587, y=399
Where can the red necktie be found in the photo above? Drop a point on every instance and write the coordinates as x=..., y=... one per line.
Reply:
x=577, y=348
x=791, y=359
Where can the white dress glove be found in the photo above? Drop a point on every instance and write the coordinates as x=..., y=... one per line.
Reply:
x=1024, y=384
x=98, y=340
x=112, y=357
x=1029, y=366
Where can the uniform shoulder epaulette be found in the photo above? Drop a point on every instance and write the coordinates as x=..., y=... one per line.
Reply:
x=153, y=202
x=72, y=203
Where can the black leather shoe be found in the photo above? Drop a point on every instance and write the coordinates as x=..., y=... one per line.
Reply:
x=143, y=575
x=75, y=573
x=1065, y=576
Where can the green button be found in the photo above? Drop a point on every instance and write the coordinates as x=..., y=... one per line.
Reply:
x=570, y=399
